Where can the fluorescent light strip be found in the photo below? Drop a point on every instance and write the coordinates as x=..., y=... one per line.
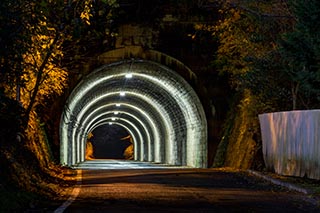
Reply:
x=155, y=132
x=137, y=143
x=103, y=115
x=168, y=125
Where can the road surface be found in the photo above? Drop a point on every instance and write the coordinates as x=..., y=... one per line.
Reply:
x=117, y=187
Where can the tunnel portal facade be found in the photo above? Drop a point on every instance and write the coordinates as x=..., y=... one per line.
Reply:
x=159, y=109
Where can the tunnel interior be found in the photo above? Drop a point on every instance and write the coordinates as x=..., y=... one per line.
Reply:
x=154, y=104
x=110, y=141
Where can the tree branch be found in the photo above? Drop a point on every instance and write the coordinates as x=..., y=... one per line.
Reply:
x=257, y=13
x=39, y=77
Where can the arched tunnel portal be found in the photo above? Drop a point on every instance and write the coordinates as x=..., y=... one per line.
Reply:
x=159, y=109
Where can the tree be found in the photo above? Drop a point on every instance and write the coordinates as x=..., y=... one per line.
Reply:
x=15, y=39
x=300, y=53
x=272, y=48
x=37, y=40
x=248, y=33
x=32, y=64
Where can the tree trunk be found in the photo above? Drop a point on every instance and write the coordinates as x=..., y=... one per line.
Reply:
x=38, y=81
x=294, y=91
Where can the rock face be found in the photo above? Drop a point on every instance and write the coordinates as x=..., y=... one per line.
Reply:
x=291, y=142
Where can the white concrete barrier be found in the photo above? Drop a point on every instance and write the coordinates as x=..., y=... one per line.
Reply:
x=291, y=142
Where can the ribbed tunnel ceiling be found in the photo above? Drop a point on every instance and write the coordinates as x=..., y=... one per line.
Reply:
x=154, y=104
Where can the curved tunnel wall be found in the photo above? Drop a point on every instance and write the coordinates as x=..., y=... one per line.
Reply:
x=155, y=104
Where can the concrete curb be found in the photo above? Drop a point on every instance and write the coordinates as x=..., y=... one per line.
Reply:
x=311, y=199
x=281, y=183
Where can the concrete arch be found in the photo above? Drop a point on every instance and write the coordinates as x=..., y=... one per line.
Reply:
x=135, y=133
x=125, y=126
x=144, y=144
x=144, y=119
x=158, y=106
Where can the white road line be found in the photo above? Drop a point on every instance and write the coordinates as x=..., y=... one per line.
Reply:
x=73, y=196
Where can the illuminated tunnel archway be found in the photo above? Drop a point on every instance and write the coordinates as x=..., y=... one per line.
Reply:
x=154, y=104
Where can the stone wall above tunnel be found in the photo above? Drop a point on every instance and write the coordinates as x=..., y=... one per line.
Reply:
x=154, y=103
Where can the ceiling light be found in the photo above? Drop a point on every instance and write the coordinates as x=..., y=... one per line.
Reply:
x=122, y=94
x=128, y=75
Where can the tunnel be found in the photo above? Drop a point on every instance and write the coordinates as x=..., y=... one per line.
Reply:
x=152, y=102
x=109, y=141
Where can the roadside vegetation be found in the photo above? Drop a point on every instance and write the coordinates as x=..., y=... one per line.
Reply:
x=270, y=52
x=39, y=40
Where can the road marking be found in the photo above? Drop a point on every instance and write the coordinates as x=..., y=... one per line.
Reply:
x=73, y=196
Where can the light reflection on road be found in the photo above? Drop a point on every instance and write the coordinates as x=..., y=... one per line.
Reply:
x=98, y=164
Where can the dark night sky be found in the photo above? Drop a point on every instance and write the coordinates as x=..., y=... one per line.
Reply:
x=106, y=141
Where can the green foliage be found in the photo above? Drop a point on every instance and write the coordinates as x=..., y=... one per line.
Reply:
x=15, y=38
x=273, y=50
x=300, y=53
x=248, y=34
x=11, y=120
x=37, y=39
x=267, y=82
x=14, y=200
x=90, y=29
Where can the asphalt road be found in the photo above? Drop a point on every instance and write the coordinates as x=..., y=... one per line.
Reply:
x=160, y=189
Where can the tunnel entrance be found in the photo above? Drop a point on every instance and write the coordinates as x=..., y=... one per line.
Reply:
x=111, y=141
x=154, y=104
